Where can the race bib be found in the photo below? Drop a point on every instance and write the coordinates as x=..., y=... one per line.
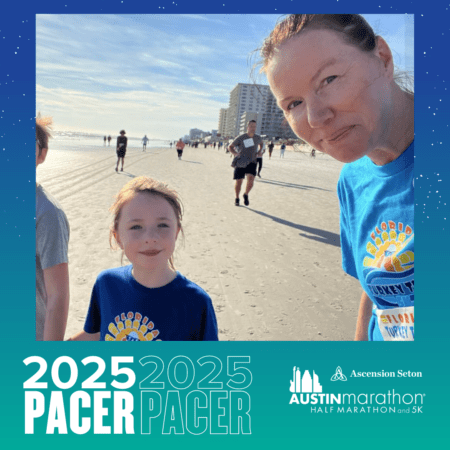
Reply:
x=249, y=143
x=396, y=324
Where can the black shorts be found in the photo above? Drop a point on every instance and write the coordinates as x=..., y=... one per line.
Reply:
x=121, y=152
x=240, y=172
x=179, y=151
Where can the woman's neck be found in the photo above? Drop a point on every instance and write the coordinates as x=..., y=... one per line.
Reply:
x=399, y=129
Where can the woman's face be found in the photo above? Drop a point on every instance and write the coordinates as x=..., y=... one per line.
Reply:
x=334, y=96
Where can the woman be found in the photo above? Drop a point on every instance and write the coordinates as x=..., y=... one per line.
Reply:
x=334, y=80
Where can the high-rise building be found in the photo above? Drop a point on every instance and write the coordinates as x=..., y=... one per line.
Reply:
x=253, y=102
x=195, y=133
x=222, y=121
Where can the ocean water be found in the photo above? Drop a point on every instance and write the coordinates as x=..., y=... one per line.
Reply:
x=73, y=140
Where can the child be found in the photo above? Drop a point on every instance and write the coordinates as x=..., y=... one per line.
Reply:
x=52, y=240
x=147, y=300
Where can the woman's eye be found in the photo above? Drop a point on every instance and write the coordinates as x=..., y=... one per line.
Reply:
x=330, y=79
x=163, y=225
x=294, y=104
x=135, y=227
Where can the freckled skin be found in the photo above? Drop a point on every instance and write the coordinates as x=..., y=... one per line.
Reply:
x=348, y=109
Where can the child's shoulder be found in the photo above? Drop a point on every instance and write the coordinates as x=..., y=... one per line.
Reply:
x=192, y=290
x=117, y=273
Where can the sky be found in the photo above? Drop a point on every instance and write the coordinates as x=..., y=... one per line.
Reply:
x=159, y=75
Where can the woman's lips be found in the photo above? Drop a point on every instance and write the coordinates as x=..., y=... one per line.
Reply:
x=343, y=132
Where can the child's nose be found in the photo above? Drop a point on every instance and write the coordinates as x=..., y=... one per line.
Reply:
x=151, y=235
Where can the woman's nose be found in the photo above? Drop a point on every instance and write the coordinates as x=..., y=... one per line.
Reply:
x=319, y=114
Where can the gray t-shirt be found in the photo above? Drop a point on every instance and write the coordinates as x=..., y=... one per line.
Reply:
x=247, y=147
x=52, y=240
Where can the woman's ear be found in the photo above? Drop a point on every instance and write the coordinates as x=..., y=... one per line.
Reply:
x=383, y=52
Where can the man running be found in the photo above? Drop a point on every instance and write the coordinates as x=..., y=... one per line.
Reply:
x=121, y=149
x=145, y=139
x=244, y=162
x=180, y=147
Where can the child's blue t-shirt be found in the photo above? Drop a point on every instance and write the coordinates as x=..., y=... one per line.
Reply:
x=377, y=240
x=121, y=309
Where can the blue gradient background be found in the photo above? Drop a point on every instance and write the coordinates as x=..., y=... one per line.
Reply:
x=274, y=422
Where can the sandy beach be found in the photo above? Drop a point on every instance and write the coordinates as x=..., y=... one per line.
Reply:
x=273, y=269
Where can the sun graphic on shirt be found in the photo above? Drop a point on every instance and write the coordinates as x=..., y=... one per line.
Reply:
x=389, y=252
x=131, y=327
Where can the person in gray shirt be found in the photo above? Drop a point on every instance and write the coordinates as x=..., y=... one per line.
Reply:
x=52, y=239
x=245, y=150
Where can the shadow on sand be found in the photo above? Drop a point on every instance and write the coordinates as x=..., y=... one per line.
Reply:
x=325, y=237
x=290, y=185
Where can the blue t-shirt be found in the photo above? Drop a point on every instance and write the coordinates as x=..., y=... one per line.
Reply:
x=121, y=309
x=377, y=240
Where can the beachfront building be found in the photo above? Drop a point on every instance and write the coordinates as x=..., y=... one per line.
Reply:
x=253, y=102
x=222, y=121
x=195, y=133
x=245, y=119
x=244, y=98
x=273, y=124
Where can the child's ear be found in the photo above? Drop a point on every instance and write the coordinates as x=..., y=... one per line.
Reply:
x=41, y=158
x=117, y=238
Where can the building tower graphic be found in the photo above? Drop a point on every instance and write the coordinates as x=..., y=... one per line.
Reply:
x=305, y=384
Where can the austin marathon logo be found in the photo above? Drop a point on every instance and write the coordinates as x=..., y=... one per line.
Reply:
x=306, y=389
x=305, y=383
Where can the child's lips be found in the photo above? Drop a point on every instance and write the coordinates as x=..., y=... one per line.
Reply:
x=151, y=252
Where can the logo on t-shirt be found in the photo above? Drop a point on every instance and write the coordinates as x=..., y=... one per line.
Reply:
x=131, y=327
x=389, y=270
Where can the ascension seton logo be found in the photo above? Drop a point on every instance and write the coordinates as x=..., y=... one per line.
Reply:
x=338, y=376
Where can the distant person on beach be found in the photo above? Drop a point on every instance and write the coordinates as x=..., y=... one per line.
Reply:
x=171, y=145
x=52, y=240
x=282, y=150
x=245, y=151
x=104, y=141
x=180, y=147
x=145, y=139
x=109, y=141
x=121, y=149
x=334, y=79
x=270, y=147
x=259, y=161
x=148, y=300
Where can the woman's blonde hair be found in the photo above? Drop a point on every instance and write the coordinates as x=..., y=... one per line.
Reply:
x=144, y=185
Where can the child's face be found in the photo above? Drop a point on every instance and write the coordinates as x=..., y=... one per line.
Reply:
x=147, y=231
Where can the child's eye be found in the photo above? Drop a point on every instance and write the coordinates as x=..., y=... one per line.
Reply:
x=135, y=227
x=294, y=104
x=163, y=225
